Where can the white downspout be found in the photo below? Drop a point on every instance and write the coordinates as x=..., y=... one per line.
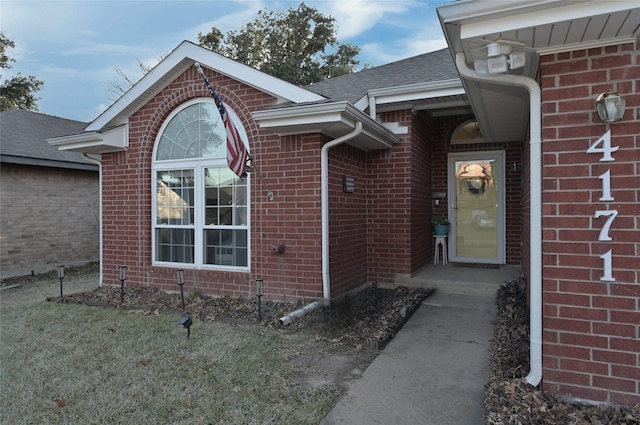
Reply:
x=324, y=183
x=99, y=164
x=372, y=107
x=535, y=207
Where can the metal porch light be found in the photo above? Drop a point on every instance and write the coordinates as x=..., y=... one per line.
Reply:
x=610, y=106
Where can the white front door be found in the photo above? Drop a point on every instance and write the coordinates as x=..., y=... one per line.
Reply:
x=476, y=207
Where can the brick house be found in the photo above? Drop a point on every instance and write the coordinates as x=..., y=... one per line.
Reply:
x=48, y=198
x=347, y=174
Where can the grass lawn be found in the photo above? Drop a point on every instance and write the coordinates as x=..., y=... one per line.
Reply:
x=71, y=364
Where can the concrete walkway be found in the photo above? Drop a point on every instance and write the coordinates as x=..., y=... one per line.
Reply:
x=434, y=370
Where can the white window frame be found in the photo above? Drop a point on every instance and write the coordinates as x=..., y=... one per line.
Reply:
x=198, y=166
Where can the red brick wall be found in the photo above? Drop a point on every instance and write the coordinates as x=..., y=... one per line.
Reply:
x=289, y=168
x=591, y=327
x=389, y=206
x=347, y=220
x=421, y=192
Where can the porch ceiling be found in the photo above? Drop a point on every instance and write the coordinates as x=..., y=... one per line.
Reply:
x=537, y=27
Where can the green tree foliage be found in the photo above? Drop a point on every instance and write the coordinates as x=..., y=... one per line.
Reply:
x=16, y=92
x=297, y=45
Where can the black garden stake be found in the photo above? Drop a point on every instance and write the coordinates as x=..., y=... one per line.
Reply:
x=122, y=276
x=185, y=320
x=259, y=293
x=61, y=277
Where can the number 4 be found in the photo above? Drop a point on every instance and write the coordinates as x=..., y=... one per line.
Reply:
x=606, y=148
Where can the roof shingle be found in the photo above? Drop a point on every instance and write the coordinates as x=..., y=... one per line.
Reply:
x=24, y=134
x=425, y=68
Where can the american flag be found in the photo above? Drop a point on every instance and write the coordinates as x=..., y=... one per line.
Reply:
x=237, y=153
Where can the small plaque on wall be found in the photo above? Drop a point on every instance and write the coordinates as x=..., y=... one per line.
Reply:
x=348, y=184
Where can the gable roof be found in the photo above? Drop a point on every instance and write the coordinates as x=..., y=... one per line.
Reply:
x=425, y=68
x=23, y=140
x=178, y=61
x=109, y=131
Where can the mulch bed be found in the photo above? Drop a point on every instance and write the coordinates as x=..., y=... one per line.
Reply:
x=510, y=399
x=369, y=318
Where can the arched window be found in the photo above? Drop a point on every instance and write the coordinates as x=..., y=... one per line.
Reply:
x=468, y=132
x=201, y=208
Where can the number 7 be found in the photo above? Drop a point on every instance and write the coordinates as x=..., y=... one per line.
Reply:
x=604, y=233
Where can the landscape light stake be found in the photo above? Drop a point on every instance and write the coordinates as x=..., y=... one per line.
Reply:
x=185, y=320
x=61, y=277
x=259, y=293
x=122, y=276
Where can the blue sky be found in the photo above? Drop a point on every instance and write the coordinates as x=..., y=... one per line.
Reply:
x=75, y=46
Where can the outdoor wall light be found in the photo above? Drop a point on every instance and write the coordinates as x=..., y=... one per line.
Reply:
x=122, y=276
x=610, y=106
x=61, y=277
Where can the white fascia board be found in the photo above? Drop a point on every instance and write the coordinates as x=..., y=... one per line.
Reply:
x=420, y=91
x=470, y=10
x=300, y=115
x=319, y=116
x=112, y=140
x=64, y=141
x=174, y=64
x=553, y=12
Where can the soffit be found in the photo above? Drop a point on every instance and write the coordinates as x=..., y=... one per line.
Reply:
x=539, y=27
x=333, y=119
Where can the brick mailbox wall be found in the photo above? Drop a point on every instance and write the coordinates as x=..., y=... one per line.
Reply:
x=591, y=244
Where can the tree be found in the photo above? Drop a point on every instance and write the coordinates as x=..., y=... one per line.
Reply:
x=16, y=92
x=290, y=45
x=117, y=89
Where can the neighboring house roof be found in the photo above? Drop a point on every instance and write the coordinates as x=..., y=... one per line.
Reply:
x=23, y=140
x=425, y=68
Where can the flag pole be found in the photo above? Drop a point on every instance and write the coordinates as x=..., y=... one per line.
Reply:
x=236, y=150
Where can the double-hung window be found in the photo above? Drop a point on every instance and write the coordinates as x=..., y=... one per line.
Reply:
x=201, y=208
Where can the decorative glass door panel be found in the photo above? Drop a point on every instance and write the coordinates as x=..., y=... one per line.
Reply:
x=476, y=198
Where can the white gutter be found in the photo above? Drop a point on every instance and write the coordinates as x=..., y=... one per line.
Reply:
x=326, y=282
x=535, y=207
x=99, y=164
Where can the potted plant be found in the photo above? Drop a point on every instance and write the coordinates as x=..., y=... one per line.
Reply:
x=440, y=226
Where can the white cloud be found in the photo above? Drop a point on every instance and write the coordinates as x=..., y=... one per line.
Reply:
x=231, y=21
x=401, y=49
x=55, y=70
x=96, y=48
x=357, y=16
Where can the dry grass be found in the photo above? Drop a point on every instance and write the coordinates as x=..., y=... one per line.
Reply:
x=70, y=364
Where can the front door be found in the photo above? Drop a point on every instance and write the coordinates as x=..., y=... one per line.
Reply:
x=476, y=207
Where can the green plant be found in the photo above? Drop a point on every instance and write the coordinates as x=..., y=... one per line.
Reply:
x=440, y=221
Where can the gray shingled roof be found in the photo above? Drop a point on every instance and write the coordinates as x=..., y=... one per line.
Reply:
x=429, y=67
x=23, y=140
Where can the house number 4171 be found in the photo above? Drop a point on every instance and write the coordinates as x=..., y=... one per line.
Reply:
x=603, y=146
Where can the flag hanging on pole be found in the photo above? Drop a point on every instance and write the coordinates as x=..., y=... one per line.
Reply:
x=237, y=153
